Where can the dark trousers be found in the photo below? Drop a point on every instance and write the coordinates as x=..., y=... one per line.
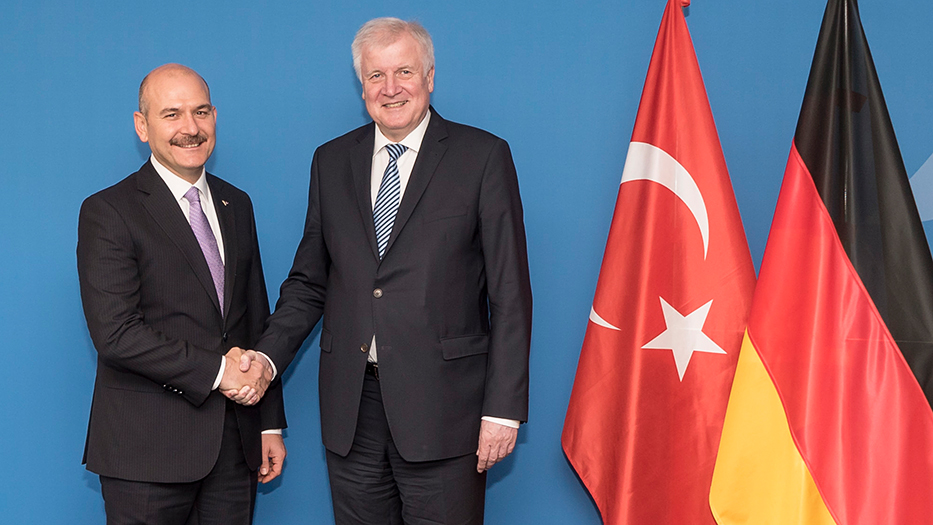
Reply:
x=374, y=485
x=225, y=497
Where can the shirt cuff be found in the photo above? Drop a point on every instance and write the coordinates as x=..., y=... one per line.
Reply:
x=276, y=431
x=275, y=371
x=511, y=423
x=220, y=374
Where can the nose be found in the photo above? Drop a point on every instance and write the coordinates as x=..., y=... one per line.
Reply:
x=392, y=86
x=188, y=125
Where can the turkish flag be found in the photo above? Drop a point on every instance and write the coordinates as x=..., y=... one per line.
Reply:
x=648, y=401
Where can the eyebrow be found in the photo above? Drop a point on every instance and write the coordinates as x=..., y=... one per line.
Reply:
x=399, y=68
x=176, y=110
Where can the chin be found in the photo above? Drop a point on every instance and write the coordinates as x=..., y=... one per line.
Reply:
x=193, y=157
x=397, y=124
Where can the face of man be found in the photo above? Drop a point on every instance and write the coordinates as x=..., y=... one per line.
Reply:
x=179, y=121
x=396, y=88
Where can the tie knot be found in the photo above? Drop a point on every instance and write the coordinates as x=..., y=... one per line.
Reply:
x=193, y=195
x=396, y=150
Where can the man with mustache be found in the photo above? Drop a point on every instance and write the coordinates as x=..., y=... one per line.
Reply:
x=171, y=282
x=414, y=255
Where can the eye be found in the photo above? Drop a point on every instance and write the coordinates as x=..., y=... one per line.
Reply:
x=405, y=73
x=375, y=76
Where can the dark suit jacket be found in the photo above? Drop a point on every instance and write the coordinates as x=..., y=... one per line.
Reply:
x=153, y=314
x=450, y=303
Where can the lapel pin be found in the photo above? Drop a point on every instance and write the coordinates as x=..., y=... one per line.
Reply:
x=225, y=202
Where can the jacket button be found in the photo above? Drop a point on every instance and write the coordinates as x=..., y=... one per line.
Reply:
x=364, y=347
x=377, y=293
x=225, y=337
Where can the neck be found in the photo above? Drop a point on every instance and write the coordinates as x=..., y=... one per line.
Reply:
x=189, y=175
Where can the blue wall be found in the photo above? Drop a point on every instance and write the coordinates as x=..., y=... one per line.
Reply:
x=540, y=74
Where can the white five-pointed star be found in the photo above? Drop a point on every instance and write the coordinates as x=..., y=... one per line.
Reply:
x=684, y=335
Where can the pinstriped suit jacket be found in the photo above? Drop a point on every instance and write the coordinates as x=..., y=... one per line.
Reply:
x=153, y=315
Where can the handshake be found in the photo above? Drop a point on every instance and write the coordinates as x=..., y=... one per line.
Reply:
x=247, y=375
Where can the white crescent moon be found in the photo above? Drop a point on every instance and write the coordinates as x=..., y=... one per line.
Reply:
x=600, y=321
x=647, y=162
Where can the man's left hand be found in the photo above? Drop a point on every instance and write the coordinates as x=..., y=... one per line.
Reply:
x=273, y=456
x=495, y=443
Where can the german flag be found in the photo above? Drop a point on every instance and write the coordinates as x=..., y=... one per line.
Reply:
x=829, y=419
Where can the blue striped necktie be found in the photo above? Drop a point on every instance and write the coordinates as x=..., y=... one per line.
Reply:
x=388, y=198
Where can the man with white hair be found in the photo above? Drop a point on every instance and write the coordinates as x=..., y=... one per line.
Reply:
x=414, y=254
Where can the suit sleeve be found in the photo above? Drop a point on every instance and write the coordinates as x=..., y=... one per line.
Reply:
x=505, y=256
x=301, y=296
x=272, y=406
x=109, y=276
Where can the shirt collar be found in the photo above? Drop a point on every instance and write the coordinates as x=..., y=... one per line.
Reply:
x=412, y=140
x=177, y=185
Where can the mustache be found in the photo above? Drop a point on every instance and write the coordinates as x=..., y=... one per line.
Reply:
x=189, y=140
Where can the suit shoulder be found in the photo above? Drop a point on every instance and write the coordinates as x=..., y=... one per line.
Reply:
x=472, y=135
x=116, y=193
x=344, y=142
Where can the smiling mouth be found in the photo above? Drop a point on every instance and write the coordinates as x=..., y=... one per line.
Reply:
x=189, y=142
x=393, y=105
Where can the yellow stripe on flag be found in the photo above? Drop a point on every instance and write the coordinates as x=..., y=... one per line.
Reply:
x=759, y=476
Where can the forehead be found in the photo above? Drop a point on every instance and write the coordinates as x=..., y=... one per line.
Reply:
x=176, y=88
x=403, y=51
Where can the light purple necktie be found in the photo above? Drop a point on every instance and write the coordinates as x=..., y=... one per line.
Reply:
x=202, y=230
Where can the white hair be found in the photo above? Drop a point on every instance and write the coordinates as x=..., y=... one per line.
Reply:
x=386, y=31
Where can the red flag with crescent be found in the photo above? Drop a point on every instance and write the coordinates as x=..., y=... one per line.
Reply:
x=668, y=317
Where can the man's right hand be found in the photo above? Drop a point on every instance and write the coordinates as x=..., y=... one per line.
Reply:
x=246, y=376
x=495, y=443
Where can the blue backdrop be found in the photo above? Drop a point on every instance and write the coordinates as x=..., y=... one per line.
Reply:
x=547, y=76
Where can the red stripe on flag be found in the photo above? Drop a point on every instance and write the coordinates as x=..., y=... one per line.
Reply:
x=857, y=414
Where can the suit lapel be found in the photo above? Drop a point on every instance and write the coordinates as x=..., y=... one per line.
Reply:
x=361, y=166
x=226, y=216
x=161, y=205
x=432, y=151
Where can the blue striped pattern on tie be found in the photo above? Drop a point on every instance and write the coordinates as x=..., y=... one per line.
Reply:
x=388, y=198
